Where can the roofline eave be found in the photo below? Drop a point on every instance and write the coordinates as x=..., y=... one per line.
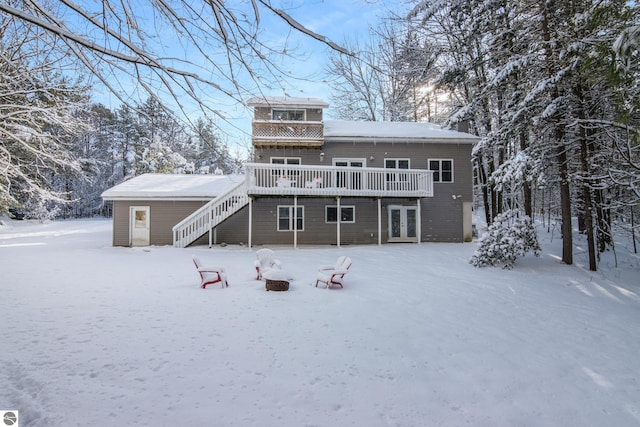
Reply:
x=368, y=139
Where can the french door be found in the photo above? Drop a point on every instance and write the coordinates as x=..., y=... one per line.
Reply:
x=403, y=224
x=350, y=180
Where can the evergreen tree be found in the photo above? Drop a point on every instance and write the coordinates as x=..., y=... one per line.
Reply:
x=509, y=236
x=40, y=116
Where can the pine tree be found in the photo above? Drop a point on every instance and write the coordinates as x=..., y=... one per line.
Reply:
x=509, y=236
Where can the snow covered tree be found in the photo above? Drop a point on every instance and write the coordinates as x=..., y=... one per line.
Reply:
x=539, y=84
x=39, y=117
x=160, y=139
x=509, y=236
x=225, y=51
x=211, y=151
x=388, y=78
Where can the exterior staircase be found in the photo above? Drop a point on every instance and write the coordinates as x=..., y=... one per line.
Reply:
x=208, y=216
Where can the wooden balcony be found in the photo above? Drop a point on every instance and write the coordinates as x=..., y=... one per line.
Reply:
x=329, y=181
x=267, y=133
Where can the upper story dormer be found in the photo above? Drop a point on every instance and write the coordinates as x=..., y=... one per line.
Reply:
x=287, y=122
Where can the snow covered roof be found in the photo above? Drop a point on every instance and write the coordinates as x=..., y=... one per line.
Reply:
x=286, y=101
x=172, y=186
x=392, y=131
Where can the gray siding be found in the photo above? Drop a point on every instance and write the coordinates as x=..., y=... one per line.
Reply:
x=163, y=216
x=235, y=230
x=441, y=221
x=309, y=156
x=437, y=225
x=316, y=230
x=441, y=215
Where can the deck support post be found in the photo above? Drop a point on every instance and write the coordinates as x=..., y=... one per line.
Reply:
x=339, y=215
x=249, y=237
x=379, y=221
x=295, y=221
x=419, y=220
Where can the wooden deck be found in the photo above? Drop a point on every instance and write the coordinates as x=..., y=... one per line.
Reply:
x=329, y=181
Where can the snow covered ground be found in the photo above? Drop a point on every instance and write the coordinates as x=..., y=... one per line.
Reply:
x=93, y=335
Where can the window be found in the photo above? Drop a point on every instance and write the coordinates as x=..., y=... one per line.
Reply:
x=297, y=115
x=286, y=218
x=352, y=180
x=442, y=169
x=285, y=161
x=141, y=219
x=396, y=164
x=347, y=214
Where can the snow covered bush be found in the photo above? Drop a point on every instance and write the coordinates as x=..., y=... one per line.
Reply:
x=510, y=236
x=41, y=210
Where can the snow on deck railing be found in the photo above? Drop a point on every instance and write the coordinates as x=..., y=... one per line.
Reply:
x=274, y=179
x=210, y=215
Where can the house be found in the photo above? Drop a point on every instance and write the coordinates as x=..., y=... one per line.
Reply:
x=146, y=207
x=319, y=182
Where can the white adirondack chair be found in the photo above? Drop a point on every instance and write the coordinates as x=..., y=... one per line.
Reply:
x=334, y=275
x=210, y=275
x=265, y=261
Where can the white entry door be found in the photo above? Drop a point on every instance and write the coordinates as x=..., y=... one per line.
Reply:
x=139, y=225
x=402, y=224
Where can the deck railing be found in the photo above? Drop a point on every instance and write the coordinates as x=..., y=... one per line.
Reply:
x=289, y=130
x=273, y=179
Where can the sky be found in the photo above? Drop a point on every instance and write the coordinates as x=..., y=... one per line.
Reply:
x=334, y=19
x=95, y=335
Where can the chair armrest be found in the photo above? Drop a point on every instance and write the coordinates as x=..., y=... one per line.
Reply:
x=327, y=267
x=211, y=269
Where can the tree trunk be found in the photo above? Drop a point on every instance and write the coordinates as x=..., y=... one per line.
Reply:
x=565, y=201
x=526, y=186
x=633, y=233
x=588, y=207
x=587, y=214
x=561, y=149
x=482, y=179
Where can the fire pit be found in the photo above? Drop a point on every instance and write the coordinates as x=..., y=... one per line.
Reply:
x=276, y=280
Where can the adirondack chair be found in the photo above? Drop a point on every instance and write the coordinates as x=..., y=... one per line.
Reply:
x=314, y=183
x=265, y=261
x=334, y=275
x=285, y=182
x=210, y=275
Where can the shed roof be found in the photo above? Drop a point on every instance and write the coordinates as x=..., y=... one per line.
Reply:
x=393, y=131
x=172, y=186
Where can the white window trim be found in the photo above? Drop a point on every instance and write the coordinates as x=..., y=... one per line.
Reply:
x=286, y=160
x=326, y=211
x=440, y=160
x=397, y=159
x=349, y=160
x=398, y=175
x=291, y=218
x=285, y=171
